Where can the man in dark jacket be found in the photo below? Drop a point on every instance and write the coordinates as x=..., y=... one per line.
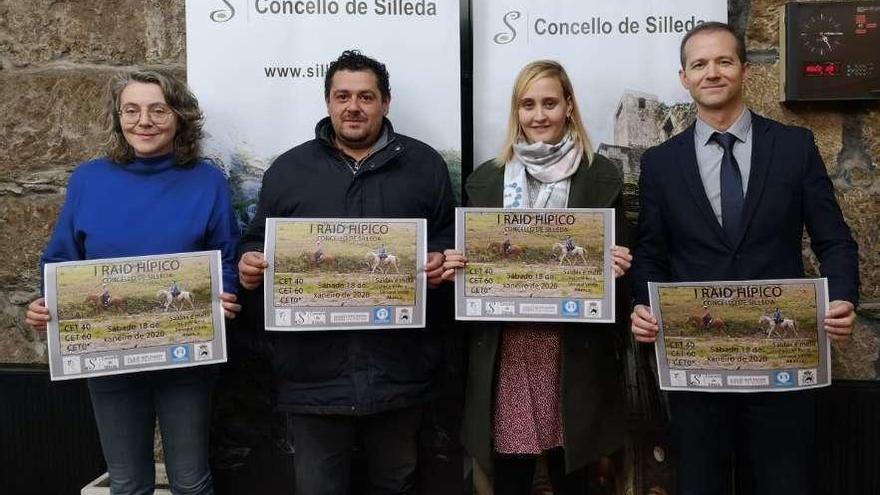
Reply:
x=340, y=386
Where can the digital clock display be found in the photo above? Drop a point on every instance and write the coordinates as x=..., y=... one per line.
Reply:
x=822, y=69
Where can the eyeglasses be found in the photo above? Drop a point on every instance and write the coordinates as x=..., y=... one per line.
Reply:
x=158, y=114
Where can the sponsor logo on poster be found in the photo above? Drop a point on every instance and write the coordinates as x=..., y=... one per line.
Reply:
x=282, y=317
x=381, y=315
x=748, y=381
x=180, y=354
x=473, y=307
x=403, y=315
x=593, y=309
x=72, y=365
x=705, y=380
x=142, y=359
x=204, y=351
x=807, y=377
x=349, y=317
x=538, y=309
x=783, y=379
x=310, y=318
x=571, y=307
x=499, y=308
x=678, y=378
x=101, y=363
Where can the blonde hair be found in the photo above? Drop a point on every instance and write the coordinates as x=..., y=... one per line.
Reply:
x=533, y=71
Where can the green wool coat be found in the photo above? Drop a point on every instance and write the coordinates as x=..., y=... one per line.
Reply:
x=592, y=354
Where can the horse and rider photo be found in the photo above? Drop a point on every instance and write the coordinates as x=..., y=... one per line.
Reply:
x=104, y=300
x=355, y=263
x=380, y=260
x=175, y=298
x=778, y=325
x=741, y=332
x=568, y=249
x=134, y=308
x=543, y=258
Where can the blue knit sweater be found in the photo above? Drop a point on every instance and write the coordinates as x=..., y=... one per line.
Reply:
x=144, y=208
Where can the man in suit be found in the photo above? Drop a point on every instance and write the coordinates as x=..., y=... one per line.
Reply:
x=728, y=199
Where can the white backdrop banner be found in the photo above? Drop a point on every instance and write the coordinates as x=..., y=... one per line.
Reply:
x=622, y=57
x=258, y=66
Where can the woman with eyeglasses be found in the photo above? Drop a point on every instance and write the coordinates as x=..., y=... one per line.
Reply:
x=151, y=194
x=545, y=388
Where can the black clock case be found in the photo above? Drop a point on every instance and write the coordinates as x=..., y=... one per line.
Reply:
x=855, y=54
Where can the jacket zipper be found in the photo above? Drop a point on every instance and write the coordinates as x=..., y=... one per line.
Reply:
x=373, y=153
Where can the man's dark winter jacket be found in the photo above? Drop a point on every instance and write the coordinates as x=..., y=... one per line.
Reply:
x=359, y=372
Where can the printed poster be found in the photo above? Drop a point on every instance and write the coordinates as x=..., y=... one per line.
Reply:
x=535, y=264
x=125, y=315
x=345, y=274
x=745, y=336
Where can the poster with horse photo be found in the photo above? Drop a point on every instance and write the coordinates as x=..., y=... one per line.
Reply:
x=745, y=336
x=535, y=264
x=345, y=274
x=125, y=315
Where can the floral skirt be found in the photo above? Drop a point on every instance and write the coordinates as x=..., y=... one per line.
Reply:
x=528, y=394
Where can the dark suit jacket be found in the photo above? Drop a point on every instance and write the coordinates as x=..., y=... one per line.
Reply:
x=680, y=238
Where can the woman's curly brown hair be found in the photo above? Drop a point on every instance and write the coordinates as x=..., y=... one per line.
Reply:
x=187, y=140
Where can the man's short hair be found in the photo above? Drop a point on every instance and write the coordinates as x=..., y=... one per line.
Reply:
x=711, y=27
x=355, y=61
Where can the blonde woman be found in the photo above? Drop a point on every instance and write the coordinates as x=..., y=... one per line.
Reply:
x=544, y=388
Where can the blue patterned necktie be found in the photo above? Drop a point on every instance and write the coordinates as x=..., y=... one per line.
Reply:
x=731, y=186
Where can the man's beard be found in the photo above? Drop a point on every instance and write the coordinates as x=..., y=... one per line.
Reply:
x=354, y=138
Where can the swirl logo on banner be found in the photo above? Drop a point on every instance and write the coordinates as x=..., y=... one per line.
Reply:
x=223, y=14
x=505, y=37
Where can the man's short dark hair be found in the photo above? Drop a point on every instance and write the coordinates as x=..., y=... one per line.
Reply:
x=710, y=27
x=355, y=61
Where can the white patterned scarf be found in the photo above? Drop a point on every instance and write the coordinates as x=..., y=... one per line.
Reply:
x=543, y=166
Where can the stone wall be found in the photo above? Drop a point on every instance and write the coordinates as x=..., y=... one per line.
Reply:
x=847, y=134
x=56, y=56
x=55, y=60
